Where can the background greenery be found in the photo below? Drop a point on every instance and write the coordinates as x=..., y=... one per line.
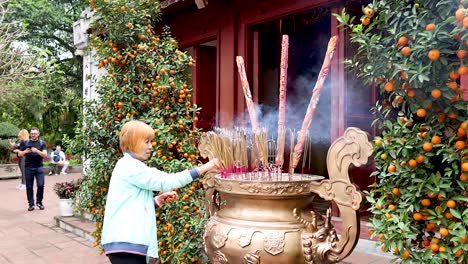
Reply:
x=50, y=100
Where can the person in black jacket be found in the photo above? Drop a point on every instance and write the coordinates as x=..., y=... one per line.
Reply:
x=34, y=151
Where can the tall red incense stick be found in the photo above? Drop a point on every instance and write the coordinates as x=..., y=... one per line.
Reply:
x=298, y=149
x=282, y=101
x=247, y=94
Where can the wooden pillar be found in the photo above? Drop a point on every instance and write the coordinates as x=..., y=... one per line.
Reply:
x=227, y=86
x=255, y=66
x=338, y=82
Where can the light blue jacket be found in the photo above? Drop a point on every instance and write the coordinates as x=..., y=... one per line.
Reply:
x=129, y=219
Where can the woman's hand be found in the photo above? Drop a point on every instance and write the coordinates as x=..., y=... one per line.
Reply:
x=167, y=197
x=213, y=164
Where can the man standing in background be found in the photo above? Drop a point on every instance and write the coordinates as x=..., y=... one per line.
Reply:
x=34, y=151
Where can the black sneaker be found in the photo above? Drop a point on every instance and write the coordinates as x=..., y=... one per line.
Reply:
x=40, y=206
x=31, y=207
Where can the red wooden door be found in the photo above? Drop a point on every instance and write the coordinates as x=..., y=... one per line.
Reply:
x=205, y=85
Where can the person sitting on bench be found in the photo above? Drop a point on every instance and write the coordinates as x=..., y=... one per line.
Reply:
x=57, y=159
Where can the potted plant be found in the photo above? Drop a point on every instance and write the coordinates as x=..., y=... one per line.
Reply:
x=66, y=192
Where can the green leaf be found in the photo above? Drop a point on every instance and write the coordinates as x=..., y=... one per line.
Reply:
x=455, y=213
x=422, y=78
x=460, y=198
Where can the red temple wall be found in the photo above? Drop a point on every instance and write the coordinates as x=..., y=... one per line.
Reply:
x=227, y=22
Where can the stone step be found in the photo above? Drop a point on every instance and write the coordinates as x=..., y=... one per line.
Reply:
x=77, y=225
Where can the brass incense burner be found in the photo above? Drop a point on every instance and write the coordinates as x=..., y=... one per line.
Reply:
x=272, y=219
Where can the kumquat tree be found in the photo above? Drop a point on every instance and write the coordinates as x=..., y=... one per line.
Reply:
x=415, y=53
x=146, y=78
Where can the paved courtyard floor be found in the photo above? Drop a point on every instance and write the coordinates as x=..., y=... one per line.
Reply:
x=32, y=237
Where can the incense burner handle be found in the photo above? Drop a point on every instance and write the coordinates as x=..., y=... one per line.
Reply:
x=211, y=195
x=352, y=148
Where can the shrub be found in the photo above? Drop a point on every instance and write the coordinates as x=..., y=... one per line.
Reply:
x=7, y=131
x=75, y=146
x=414, y=53
x=146, y=79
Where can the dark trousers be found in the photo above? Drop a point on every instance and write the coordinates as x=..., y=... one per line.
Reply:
x=32, y=173
x=126, y=258
x=54, y=168
x=22, y=167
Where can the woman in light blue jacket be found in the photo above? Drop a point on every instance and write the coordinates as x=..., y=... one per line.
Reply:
x=129, y=230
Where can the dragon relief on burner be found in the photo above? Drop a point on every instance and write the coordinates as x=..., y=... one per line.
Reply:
x=319, y=239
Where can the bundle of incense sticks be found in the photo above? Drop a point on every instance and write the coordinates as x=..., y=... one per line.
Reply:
x=314, y=100
x=232, y=147
x=239, y=151
x=240, y=141
x=215, y=144
x=282, y=101
x=261, y=143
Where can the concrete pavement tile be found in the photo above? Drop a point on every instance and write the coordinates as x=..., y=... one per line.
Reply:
x=68, y=244
x=58, y=238
x=361, y=258
x=82, y=239
x=49, y=225
x=79, y=250
x=37, y=229
x=13, y=257
x=3, y=260
x=59, y=230
x=91, y=260
x=12, y=250
x=17, y=232
x=99, y=259
x=71, y=235
x=6, y=246
x=47, y=253
x=38, y=245
x=78, y=253
x=28, y=243
x=29, y=260
x=57, y=259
